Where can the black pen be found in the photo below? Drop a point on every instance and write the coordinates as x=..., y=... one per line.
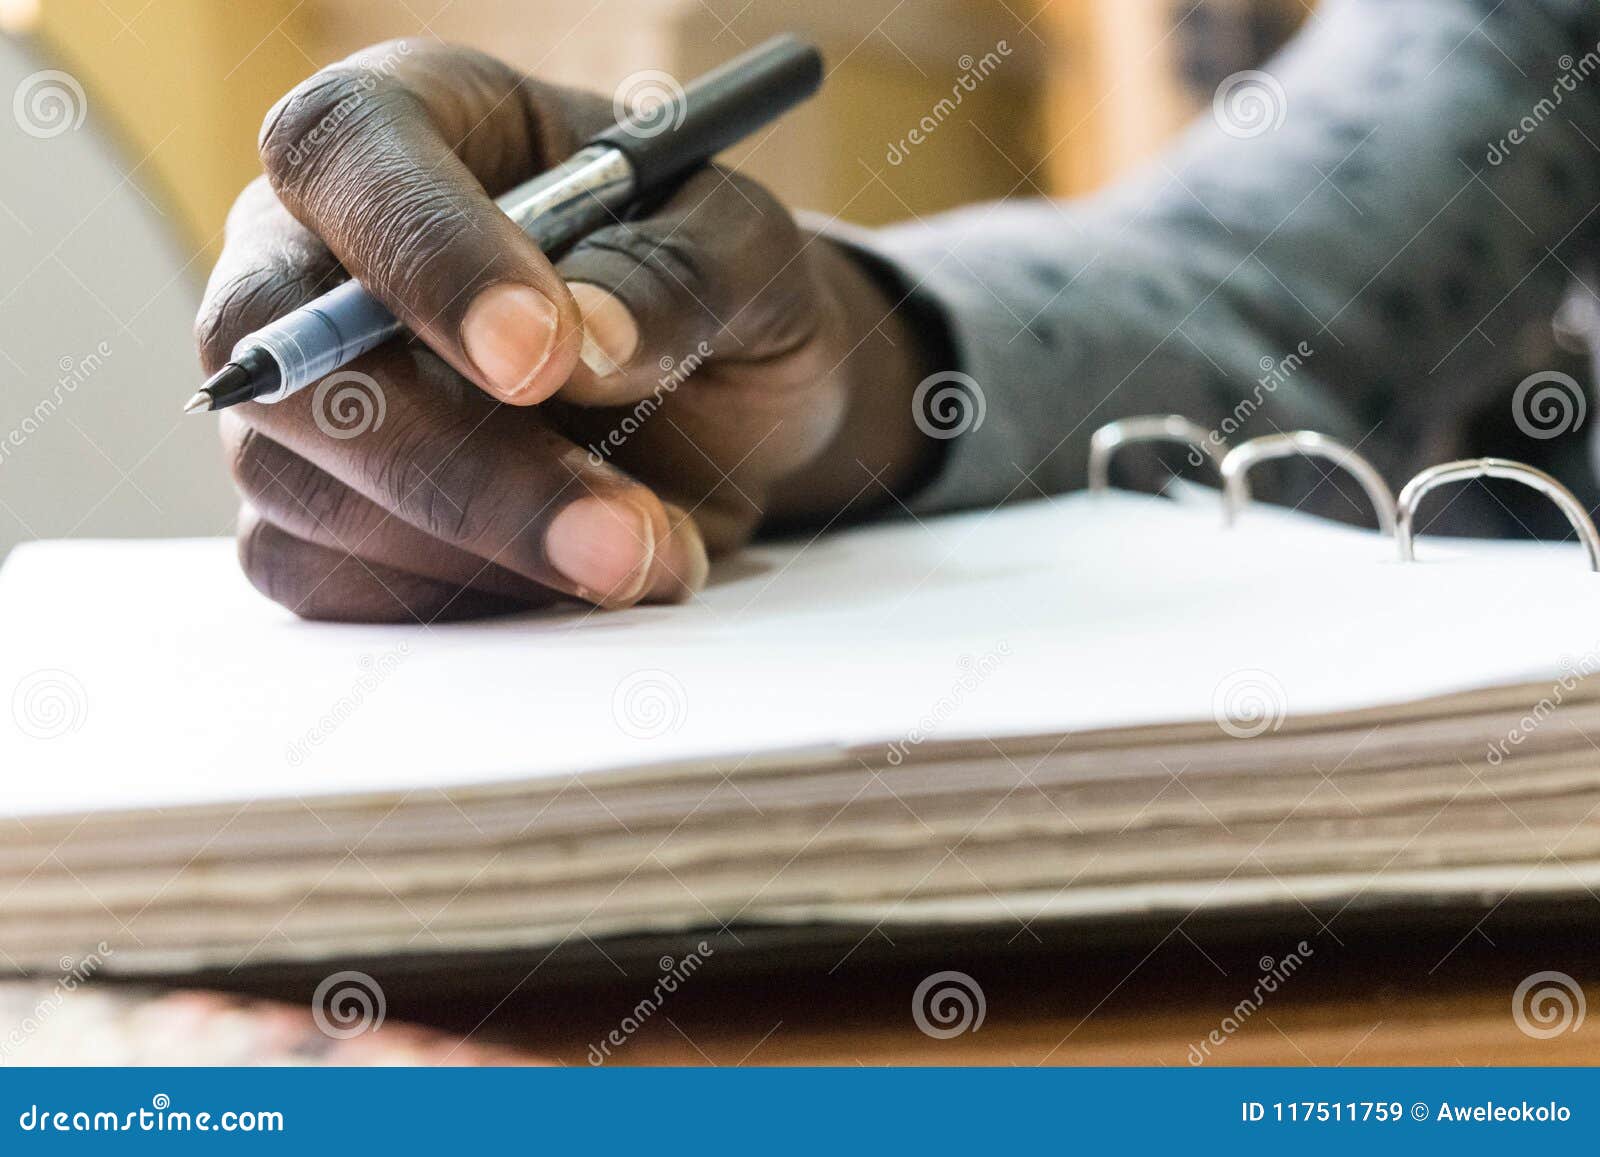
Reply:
x=629, y=161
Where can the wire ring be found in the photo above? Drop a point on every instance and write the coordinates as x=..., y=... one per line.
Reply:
x=1468, y=469
x=1235, y=467
x=1150, y=428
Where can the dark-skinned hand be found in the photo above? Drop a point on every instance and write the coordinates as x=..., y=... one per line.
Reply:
x=590, y=429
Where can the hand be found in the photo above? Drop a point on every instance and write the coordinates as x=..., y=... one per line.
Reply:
x=591, y=428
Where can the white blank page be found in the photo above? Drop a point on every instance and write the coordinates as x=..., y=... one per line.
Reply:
x=1092, y=610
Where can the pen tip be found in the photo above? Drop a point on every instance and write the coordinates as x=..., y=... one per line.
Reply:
x=234, y=383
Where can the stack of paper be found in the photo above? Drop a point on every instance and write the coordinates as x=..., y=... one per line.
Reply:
x=1078, y=708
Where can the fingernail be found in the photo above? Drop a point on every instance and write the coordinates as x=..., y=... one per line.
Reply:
x=681, y=562
x=610, y=333
x=591, y=355
x=509, y=332
x=604, y=548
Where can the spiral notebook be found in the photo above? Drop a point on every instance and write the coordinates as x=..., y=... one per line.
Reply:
x=1097, y=707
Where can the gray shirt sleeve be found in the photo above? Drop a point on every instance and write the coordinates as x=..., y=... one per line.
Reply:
x=1356, y=240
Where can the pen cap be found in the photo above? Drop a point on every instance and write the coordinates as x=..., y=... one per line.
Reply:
x=688, y=128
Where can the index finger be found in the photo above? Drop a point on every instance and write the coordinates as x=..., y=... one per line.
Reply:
x=390, y=157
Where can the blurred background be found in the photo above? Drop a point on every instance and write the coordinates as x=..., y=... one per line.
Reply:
x=133, y=126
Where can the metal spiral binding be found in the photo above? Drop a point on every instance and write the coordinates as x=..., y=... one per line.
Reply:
x=1150, y=428
x=1310, y=444
x=1468, y=469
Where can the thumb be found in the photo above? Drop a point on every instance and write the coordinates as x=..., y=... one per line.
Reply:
x=715, y=273
x=365, y=158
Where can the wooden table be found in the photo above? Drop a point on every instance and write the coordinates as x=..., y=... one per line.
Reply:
x=1436, y=995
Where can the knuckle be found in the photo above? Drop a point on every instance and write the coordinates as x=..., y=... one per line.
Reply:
x=773, y=303
x=385, y=55
x=265, y=556
x=254, y=202
x=732, y=263
x=326, y=505
x=241, y=304
x=779, y=319
x=676, y=261
x=249, y=549
x=245, y=463
x=562, y=118
x=659, y=254
x=757, y=221
x=394, y=475
x=257, y=467
x=316, y=116
x=293, y=491
x=463, y=502
x=657, y=267
x=450, y=495
x=416, y=232
x=306, y=579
